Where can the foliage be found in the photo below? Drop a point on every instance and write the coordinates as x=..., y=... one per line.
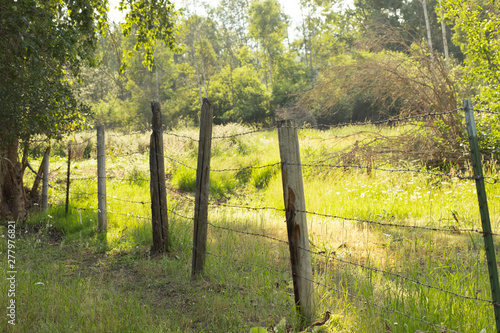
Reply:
x=477, y=31
x=150, y=21
x=477, y=26
x=371, y=86
x=370, y=58
x=248, y=93
x=488, y=133
x=41, y=42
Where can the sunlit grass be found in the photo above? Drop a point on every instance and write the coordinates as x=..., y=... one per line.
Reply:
x=247, y=278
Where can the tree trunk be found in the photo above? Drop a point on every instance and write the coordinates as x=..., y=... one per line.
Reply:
x=427, y=26
x=445, y=39
x=231, y=74
x=270, y=63
x=198, y=75
x=203, y=72
x=12, y=196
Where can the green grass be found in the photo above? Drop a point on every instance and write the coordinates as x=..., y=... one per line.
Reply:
x=92, y=283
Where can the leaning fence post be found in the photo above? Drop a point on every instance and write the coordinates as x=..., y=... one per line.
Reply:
x=295, y=207
x=68, y=177
x=45, y=181
x=101, y=179
x=158, y=190
x=202, y=189
x=39, y=175
x=483, y=209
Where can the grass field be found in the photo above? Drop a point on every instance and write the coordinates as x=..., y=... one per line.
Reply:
x=71, y=279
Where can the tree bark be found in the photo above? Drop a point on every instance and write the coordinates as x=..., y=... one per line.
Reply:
x=12, y=195
x=428, y=27
x=445, y=39
x=198, y=75
x=270, y=63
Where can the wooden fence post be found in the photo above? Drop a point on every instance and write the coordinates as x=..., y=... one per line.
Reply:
x=202, y=189
x=158, y=190
x=101, y=180
x=39, y=175
x=68, y=177
x=295, y=207
x=483, y=209
x=45, y=184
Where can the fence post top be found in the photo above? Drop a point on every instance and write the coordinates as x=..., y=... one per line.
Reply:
x=467, y=103
x=285, y=123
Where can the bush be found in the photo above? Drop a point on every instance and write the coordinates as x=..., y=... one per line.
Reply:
x=184, y=179
x=137, y=176
x=262, y=177
x=488, y=133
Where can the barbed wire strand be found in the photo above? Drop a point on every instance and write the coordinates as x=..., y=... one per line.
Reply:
x=83, y=193
x=230, y=136
x=486, y=111
x=448, y=230
x=356, y=264
x=129, y=201
x=366, y=301
x=181, y=136
x=131, y=214
x=451, y=230
x=380, y=122
x=490, y=180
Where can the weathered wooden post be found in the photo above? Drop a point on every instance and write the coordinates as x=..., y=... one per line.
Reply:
x=295, y=207
x=102, y=216
x=202, y=189
x=483, y=209
x=39, y=175
x=68, y=177
x=158, y=190
x=45, y=183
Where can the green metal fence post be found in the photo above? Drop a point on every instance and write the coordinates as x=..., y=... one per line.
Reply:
x=483, y=209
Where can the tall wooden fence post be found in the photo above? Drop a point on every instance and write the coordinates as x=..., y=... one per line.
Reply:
x=45, y=181
x=295, y=207
x=159, y=213
x=202, y=189
x=68, y=177
x=483, y=209
x=102, y=216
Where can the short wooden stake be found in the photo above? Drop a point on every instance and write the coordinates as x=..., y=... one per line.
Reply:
x=295, y=207
x=39, y=175
x=101, y=180
x=158, y=190
x=202, y=189
x=68, y=177
x=45, y=182
x=483, y=209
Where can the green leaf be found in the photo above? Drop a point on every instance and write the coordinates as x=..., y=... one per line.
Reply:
x=258, y=330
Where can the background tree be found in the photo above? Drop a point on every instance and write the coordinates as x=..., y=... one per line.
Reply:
x=477, y=32
x=268, y=26
x=43, y=46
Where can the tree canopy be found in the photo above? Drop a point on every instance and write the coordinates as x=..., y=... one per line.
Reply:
x=44, y=47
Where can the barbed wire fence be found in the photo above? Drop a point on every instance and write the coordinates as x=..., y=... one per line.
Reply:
x=321, y=255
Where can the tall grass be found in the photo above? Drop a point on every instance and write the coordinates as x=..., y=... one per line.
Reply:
x=114, y=284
